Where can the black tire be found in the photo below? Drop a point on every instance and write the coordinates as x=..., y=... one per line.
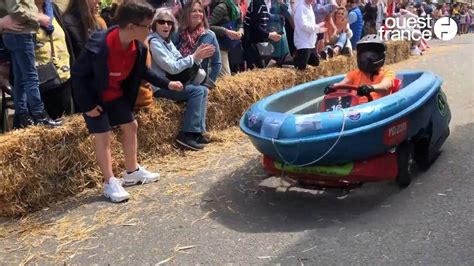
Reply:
x=406, y=164
x=422, y=153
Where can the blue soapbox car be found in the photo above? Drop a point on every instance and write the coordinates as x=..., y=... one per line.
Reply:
x=331, y=139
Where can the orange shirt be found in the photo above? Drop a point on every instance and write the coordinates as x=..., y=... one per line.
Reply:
x=359, y=78
x=120, y=62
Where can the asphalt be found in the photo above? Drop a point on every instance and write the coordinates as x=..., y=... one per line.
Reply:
x=221, y=215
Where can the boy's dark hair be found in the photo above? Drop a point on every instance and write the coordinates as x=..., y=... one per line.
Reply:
x=133, y=12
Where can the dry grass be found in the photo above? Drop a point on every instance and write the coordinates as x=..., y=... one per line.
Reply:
x=40, y=166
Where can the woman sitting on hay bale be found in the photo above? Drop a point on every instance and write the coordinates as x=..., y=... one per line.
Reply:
x=194, y=31
x=168, y=61
x=338, y=35
x=106, y=78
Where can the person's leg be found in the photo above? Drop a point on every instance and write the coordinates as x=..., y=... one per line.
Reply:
x=193, y=114
x=102, y=153
x=225, y=70
x=192, y=95
x=341, y=42
x=313, y=58
x=24, y=54
x=129, y=145
x=204, y=109
x=19, y=96
x=301, y=58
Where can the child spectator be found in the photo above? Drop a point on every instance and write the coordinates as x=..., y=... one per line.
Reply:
x=21, y=46
x=305, y=35
x=372, y=79
x=105, y=79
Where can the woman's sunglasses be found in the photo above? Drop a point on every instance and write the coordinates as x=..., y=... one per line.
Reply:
x=162, y=22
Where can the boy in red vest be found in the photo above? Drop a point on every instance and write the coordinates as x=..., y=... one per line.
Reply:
x=105, y=79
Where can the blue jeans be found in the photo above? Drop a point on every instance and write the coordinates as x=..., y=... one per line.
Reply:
x=341, y=41
x=196, y=106
x=25, y=77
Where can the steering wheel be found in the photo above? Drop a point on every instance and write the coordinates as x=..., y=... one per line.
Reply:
x=351, y=88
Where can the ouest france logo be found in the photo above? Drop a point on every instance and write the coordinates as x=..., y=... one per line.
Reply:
x=416, y=29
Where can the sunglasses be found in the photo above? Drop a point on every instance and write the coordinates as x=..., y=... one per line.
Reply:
x=143, y=26
x=162, y=22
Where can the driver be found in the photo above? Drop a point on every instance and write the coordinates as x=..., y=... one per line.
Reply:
x=370, y=77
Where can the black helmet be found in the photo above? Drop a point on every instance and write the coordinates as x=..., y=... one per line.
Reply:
x=371, y=53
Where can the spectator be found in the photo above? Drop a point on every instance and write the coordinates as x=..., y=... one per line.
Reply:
x=21, y=46
x=322, y=10
x=456, y=15
x=428, y=8
x=106, y=79
x=226, y=23
x=381, y=14
x=80, y=21
x=355, y=20
x=168, y=60
x=338, y=36
x=194, y=31
x=57, y=101
x=306, y=31
x=278, y=13
x=370, y=17
x=463, y=20
x=255, y=29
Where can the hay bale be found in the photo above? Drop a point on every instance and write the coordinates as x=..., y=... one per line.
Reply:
x=40, y=166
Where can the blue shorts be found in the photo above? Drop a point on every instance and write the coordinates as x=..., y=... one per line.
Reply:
x=114, y=113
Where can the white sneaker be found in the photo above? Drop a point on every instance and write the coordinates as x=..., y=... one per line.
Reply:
x=141, y=176
x=114, y=190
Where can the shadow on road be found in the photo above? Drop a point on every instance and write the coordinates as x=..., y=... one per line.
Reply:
x=239, y=203
x=398, y=234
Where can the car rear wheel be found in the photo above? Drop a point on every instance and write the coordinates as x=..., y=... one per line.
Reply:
x=406, y=164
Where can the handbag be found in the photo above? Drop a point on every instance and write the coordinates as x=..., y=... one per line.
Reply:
x=184, y=76
x=47, y=74
x=265, y=49
x=191, y=75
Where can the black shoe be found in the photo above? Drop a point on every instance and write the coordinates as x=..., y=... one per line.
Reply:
x=45, y=120
x=330, y=52
x=201, y=139
x=323, y=55
x=345, y=51
x=22, y=121
x=188, y=141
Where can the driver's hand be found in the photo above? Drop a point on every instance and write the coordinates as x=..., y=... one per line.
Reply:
x=329, y=89
x=365, y=90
